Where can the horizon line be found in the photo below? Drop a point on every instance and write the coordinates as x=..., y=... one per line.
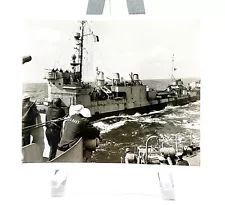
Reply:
x=125, y=79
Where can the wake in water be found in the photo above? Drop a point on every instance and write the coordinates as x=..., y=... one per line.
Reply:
x=119, y=132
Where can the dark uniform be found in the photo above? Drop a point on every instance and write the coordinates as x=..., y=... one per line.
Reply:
x=76, y=127
x=53, y=131
x=29, y=116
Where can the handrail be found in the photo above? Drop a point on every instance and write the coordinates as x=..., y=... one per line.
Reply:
x=147, y=147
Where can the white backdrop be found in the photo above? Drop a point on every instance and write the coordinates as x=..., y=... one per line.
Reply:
x=107, y=183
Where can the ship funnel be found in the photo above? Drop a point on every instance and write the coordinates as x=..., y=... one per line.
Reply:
x=100, y=79
x=116, y=78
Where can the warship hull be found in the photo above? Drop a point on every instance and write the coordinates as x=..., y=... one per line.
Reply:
x=148, y=108
x=154, y=105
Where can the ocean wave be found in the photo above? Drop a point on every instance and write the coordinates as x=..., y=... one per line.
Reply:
x=105, y=128
x=182, y=139
x=173, y=116
x=192, y=125
x=191, y=112
x=152, y=120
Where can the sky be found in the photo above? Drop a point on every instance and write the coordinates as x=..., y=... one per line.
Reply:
x=139, y=46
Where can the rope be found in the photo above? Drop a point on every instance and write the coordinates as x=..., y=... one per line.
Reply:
x=43, y=124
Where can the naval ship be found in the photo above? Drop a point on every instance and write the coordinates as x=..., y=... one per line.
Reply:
x=118, y=96
x=114, y=97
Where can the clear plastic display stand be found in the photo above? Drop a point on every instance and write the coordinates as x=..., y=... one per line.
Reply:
x=166, y=185
x=165, y=179
x=58, y=183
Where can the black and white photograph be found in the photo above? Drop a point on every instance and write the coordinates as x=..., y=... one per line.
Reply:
x=112, y=91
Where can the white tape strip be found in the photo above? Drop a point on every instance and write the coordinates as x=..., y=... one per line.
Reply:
x=96, y=7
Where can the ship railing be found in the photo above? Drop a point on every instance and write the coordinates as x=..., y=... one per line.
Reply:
x=153, y=149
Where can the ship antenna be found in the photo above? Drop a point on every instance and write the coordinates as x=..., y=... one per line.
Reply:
x=172, y=76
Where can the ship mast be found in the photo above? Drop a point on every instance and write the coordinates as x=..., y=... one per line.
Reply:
x=79, y=37
x=81, y=47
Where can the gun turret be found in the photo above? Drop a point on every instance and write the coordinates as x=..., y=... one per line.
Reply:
x=26, y=59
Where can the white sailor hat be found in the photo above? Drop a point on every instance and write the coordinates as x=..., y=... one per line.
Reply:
x=75, y=109
x=26, y=96
x=127, y=150
x=85, y=112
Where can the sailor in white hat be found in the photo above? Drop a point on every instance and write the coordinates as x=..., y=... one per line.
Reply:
x=26, y=96
x=74, y=110
x=130, y=157
x=30, y=117
x=77, y=126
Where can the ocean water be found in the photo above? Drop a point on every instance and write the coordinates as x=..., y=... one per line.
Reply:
x=126, y=131
x=180, y=123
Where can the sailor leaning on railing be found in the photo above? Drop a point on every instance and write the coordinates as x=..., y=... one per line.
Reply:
x=77, y=126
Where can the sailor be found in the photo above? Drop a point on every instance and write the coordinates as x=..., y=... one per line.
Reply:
x=130, y=157
x=53, y=129
x=162, y=160
x=189, y=87
x=29, y=117
x=187, y=150
x=74, y=109
x=75, y=127
x=94, y=95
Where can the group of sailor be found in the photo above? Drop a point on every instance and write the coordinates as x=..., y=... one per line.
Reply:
x=68, y=76
x=62, y=131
